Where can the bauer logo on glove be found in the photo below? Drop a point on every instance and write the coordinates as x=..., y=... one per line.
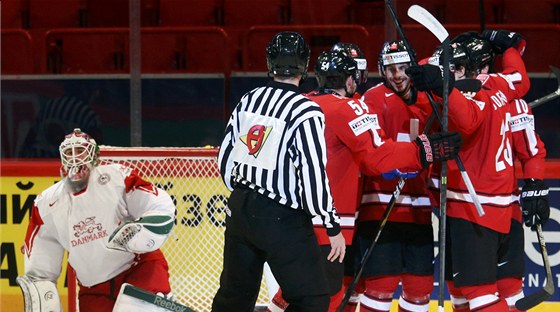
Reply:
x=143, y=235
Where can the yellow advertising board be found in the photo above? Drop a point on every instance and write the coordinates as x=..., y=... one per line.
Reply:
x=16, y=199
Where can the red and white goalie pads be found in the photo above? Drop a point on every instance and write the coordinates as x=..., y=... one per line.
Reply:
x=132, y=298
x=39, y=296
x=143, y=235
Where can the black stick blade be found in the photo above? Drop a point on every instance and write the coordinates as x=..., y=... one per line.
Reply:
x=533, y=299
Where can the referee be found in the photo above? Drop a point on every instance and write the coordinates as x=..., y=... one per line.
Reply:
x=273, y=158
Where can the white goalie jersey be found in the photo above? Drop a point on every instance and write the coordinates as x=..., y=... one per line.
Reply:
x=83, y=222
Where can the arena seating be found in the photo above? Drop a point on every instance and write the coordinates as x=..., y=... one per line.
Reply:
x=319, y=38
x=246, y=13
x=16, y=52
x=87, y=50
x=55, y=14
x=107, y=13
x=197, y=13
x=164, y=50
x=185, y=49
x=531, y=12
x=368, y=12
x=468, y=12
x=14, y=14
x=537, y=20
x=320, y=12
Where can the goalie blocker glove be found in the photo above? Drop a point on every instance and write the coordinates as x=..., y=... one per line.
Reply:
x=534, y=203
x=438, y=146
x=504, y=39
x=429, y=78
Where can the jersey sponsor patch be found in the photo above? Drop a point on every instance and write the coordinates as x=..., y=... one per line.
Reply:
x=362, y=63
x=259, y=140
x=364, y=123
x=522, y=122
x=396, y=58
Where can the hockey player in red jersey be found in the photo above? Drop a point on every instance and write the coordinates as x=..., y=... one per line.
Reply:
x=404, y=251
x=355, y=143
x=478, y=245
x=525, y=144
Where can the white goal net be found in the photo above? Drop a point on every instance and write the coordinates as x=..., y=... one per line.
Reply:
x=195, y=250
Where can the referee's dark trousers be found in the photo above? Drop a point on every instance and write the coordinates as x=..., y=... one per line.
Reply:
x=258, y=230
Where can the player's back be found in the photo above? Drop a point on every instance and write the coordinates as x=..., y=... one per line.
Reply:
x=487, y=156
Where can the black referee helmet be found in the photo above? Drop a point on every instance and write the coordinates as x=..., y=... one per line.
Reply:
x=287, y=54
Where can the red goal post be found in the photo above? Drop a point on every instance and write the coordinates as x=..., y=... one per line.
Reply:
x=195, y=248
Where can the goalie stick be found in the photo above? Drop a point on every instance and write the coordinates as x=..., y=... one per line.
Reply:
x=534, y=299
x=551, y=96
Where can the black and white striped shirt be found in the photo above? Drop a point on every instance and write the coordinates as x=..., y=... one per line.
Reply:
x=275, y=144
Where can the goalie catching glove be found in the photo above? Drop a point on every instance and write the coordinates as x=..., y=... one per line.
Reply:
x=534, y=203
x=438, y=147
x=143, y=235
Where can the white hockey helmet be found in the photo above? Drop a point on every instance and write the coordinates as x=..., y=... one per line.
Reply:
x=79, y=153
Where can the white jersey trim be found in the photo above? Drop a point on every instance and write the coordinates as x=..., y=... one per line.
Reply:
x=482, y=301
x=408, y=306
x=485, y=200
x=344, y=221
x=403, y=199
x=377, y=305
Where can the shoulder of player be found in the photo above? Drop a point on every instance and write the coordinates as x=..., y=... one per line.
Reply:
x=112, y=170
x=52, y=194
x=379, y=94
x=379, y=88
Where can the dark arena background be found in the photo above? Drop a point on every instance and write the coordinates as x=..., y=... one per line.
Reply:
x=142, y=74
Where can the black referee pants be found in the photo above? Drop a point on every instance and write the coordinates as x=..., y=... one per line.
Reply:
x=260, y=230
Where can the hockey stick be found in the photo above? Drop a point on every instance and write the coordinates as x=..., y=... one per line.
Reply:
x=534, y=299
x=382, y=222
x=431, y=23
x=426, y=19
x=551, y=96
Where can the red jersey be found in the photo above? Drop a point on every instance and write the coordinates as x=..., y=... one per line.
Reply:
x=528, y=147
x=487, y=147
x=400, y=122
x=355, y=144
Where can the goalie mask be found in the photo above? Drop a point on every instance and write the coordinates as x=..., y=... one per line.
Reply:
x=79, y=153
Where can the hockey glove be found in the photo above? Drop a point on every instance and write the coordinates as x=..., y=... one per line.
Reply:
x=534, y=203
x=397, y=174
x=504, y=39
x=429, y=78
x=438, y=146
